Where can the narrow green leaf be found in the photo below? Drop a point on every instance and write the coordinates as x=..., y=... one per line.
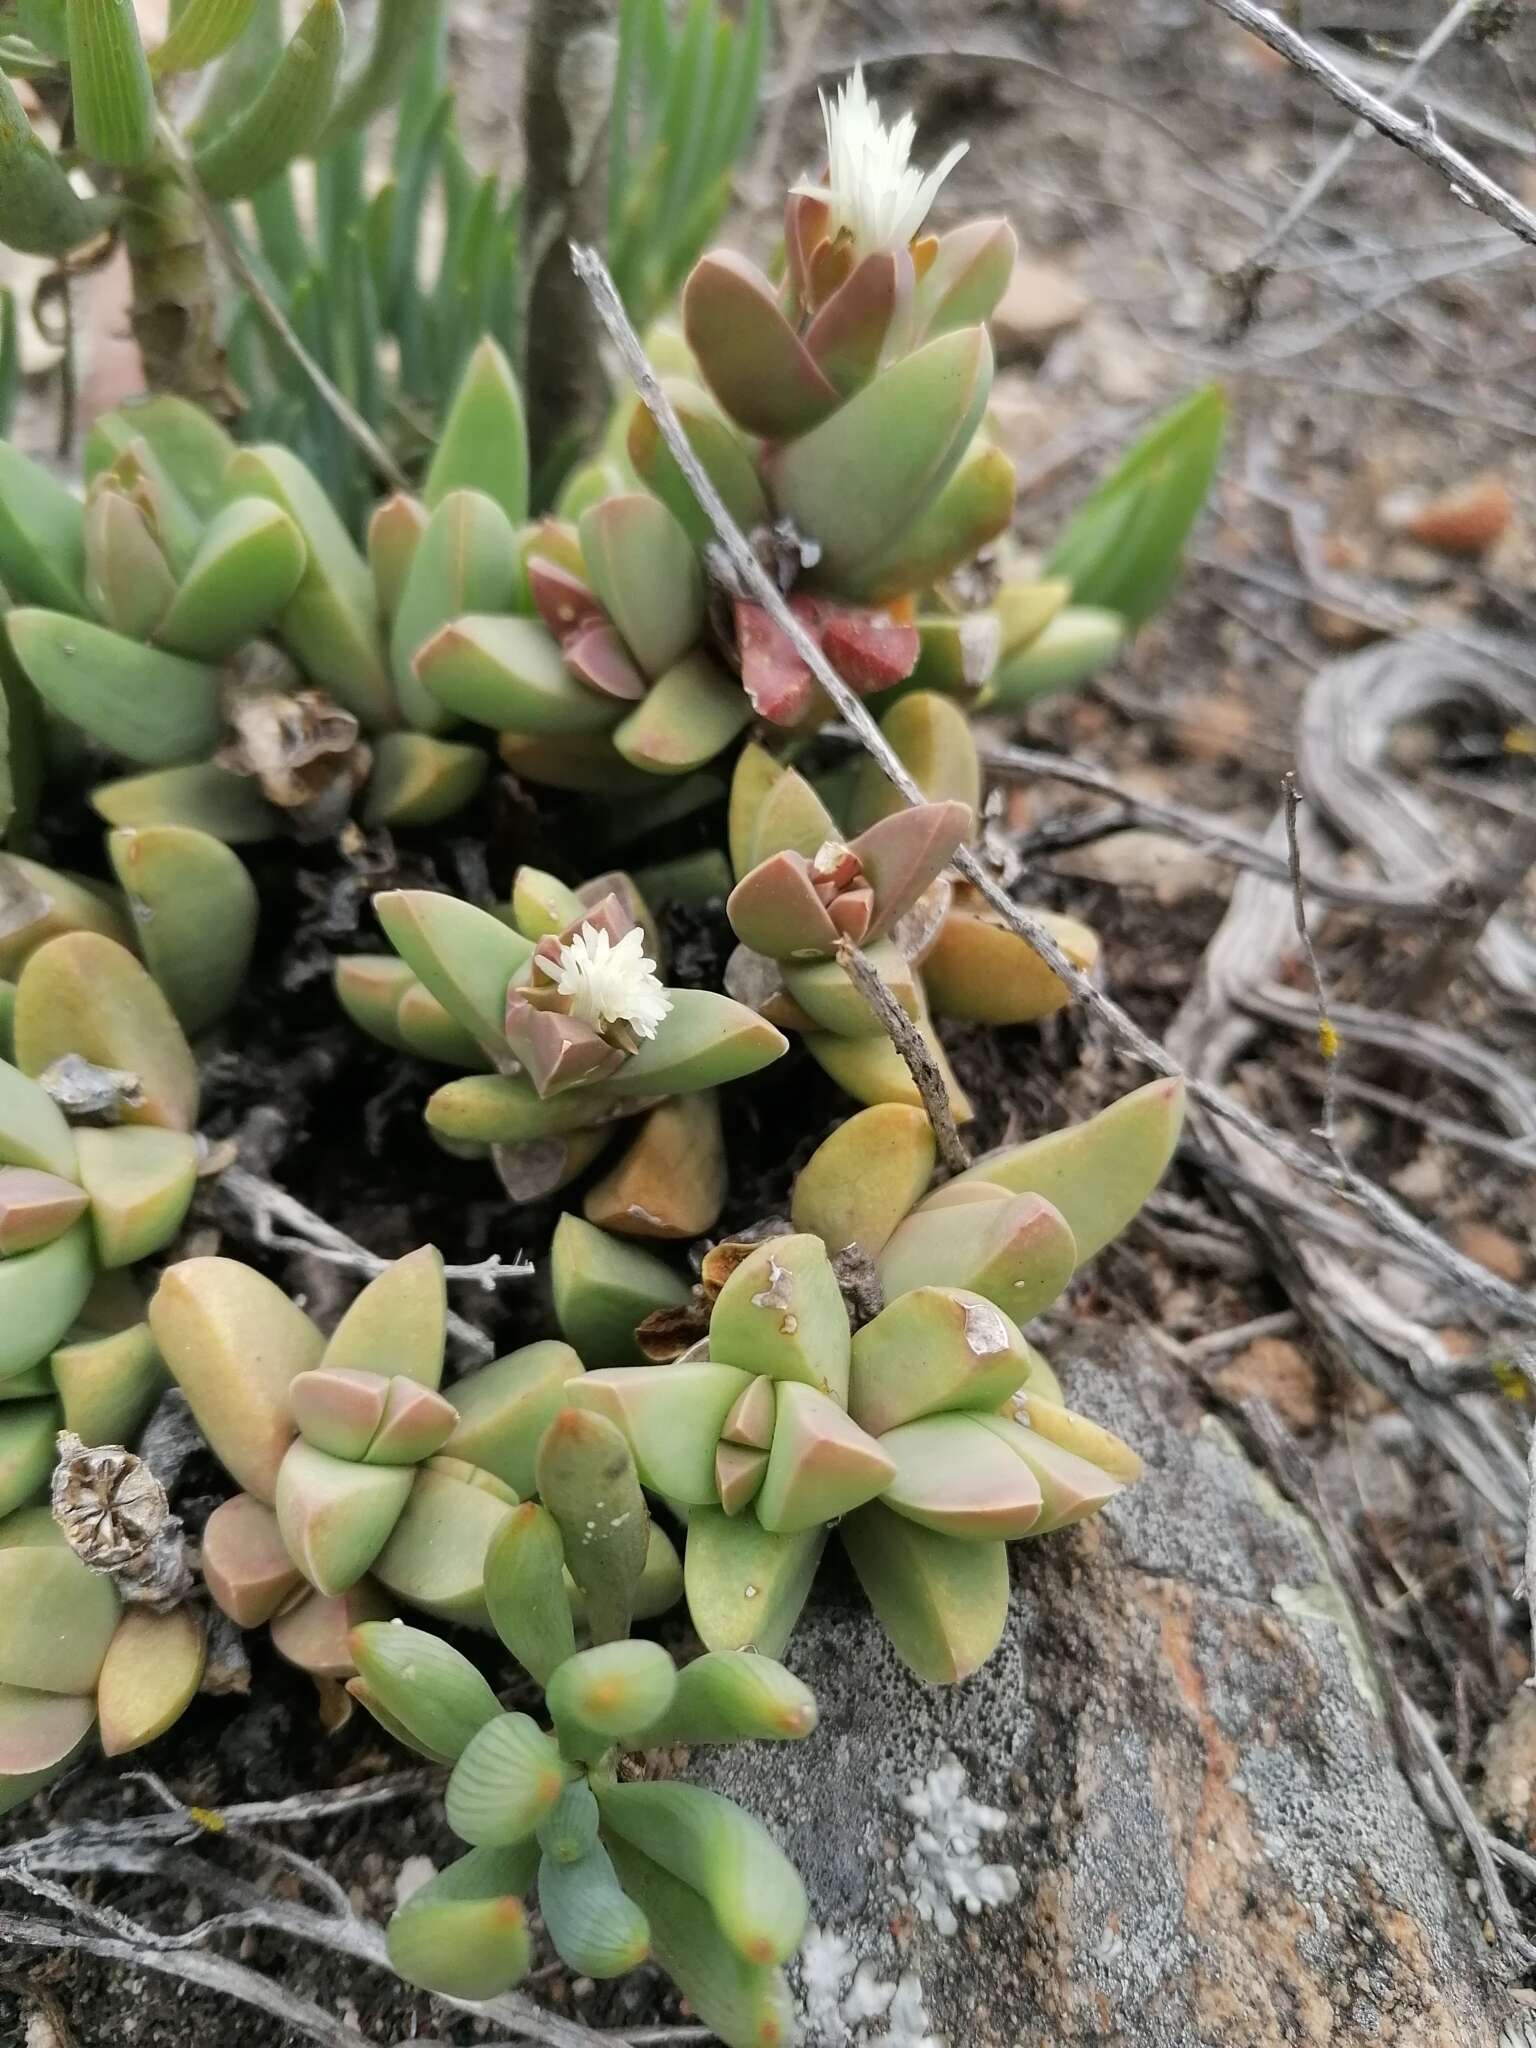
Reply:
x=202, y=31
x=287, y=118
x=113, y=96
x=41, y=213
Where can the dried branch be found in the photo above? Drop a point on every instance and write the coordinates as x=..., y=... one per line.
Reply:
x=268, y=1206
x=1470, y=184
x=909, y=1042
x=1409, y=901
x=1257, y=264
x=1494, y=1295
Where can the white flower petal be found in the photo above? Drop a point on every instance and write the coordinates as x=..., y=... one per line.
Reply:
x=874, y=190
x=608, y=984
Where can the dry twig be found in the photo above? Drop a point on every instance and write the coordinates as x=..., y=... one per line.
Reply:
x=269, y=1206
x=1421, y=138
x=908, y=1041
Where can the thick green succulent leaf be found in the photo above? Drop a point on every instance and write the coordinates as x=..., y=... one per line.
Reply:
x=1123, y=548
x=425, y=1685
x=721, y=451
x=194, y=908
x=40, y=1585
x=861, y=1181
x=247, y=568
x=933, y=737
x=834, y=1002
x=43, y=215
x=1097, y=1174
x=33, y=1132
x=973, y=508
x=82, y=993
x=436, y=1557
x=705, y=1040
x=734, y=1696
x=601, y=1695
x=335, y=1515
x=505, y=1407
x=672, y=1417
x=861, y=479
x=603, y=1289
x=42, y=904
x=642, y=566
x=848, y=335
x=1072, y=646
x=747, y=2004
x=587, y=1480
x=287, y=118
x=330, y=622
x=672, y=1180
x=314, y=1632
x=128, y=580
x=188, y=447
x=394, y=534
x=464, y=1933
x=509, y=673
x=746, y=1586
x=1041, y=1410
x=466, y=957
x=932, y=1349
x=725, y=1855
x=943, y=1602
x=418, y=779
x=397, y=1324
x=198, y=796
x=39, y=1734
x=140, y=702
x=369, y=987
x=1017, y=1251
x=1070, y=1485
x=570, y=1832
x=108, y=1385
x=781, y=1312
x=35, y=1208
x=968, y=275
x=41, y=1293
x=596, y=1928
x=140, y=1180
x=956, y=1476
x=154, y=1666
x=466, y=561
x=873, y=1071
x=484, y=442
x=525, y=1591
x=690, y=714
x=27, y=1455
x=508, y=1776
x=113, y=97
x=234, y=1343
x=751, y=358
x=821, y=1464
x=506, y=1109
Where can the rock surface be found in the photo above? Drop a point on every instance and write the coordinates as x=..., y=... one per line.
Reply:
x=1211, y=1842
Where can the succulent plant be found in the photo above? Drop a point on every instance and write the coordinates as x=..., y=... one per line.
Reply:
x=558, y=1002
x=864, y=1368
x=206, y=617
x=622, y=1868
x=364, y=1485
x=125, y=1672
x=98, y=1162
x=809, y=887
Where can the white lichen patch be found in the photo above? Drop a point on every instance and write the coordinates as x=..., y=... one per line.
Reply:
x=943, y=1864
x=986, y=1331
x=847, y=2001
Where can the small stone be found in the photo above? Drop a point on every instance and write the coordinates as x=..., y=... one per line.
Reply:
x=1507, y=1795
x=1422, y=1180
x=1215, y=727
x=1491, y=1248
x=1340, y=629
x=1274, y=1370
x=1171, y=869
x=1465, y=520
x=1043, y=300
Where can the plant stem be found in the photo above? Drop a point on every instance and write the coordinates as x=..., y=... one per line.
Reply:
x=175, y=296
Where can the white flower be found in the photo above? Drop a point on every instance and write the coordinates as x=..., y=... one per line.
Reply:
x=875, y=191
x=608, y=984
